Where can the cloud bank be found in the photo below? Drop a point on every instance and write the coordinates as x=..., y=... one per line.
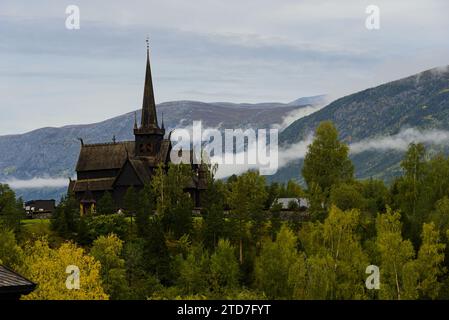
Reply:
x=400, y=141
x=36, y=183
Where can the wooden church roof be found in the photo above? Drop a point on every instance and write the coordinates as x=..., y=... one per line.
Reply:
x=104, y=156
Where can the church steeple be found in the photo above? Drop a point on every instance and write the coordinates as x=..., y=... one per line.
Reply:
x=149, y=116
x=148, y=136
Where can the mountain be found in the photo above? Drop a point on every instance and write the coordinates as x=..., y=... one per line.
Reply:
x=420, y=101
x=313, y=100
x=53, y=152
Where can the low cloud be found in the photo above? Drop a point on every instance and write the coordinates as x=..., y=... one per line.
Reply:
x=398, y=142
x=401, y=141
x=36, y=183
x=297, y=114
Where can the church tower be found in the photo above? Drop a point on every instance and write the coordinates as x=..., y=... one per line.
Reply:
x=148, y=136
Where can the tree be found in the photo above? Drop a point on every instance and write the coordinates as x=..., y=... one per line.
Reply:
x=156, y=256
x=144, y=211
x=66, y=217
x=107, y=250
x=336, y=261
x=11, y=255
x=440, y=216
x=275, y=264
x=213, y=213
x=275, y=220
x=376, y=196
x=224, y=267
x=106, y=204
x=397, y=268
x=410, y=188
x=347, y=196
x=47, y=267
x=429, y=262
x=293, y=190
x=326, y=162
x=131, y=201
x=193, y=271
x=246, y=199
x=11, y=210
x=141, y=283
x=273, y=192
x=178, y=218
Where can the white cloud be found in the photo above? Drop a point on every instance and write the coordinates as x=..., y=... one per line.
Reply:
x=401, y=140
x=297, y=114
x=36, y=183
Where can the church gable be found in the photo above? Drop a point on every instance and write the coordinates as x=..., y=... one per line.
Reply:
x=128, y=176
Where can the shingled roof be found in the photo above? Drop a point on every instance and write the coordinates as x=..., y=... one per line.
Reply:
x=104, y=156
x=91, y=184
x=13, y=284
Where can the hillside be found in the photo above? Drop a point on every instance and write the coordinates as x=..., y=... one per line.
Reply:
x=420, y=101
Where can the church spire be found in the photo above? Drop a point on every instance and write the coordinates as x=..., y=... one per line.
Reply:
x=149, y=117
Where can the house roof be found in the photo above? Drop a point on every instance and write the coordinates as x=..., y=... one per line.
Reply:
x=301, y=202
x=12, y=282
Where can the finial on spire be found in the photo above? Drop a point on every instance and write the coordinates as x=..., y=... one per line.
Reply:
x=148, y=44
x=135, y=120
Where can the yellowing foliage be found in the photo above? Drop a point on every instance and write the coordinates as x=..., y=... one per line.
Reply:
x=47, y=267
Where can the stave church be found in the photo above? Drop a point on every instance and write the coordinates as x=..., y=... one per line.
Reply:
x=114, y=167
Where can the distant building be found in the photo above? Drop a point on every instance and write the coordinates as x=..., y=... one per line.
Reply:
x=287, y=203
x=114, y=167
x=13, y=285
x=39, y=208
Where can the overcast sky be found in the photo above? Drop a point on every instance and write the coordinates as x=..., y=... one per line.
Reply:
x=207, y=50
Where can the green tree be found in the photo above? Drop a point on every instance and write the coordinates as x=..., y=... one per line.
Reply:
x=145, y=210
x=131, y=201
x=275, y=220
x=156, y=255
x=215, y=226
x=247, y=198
x=193, y=271
x=346, y=196
x=11, y=255
x=11, y=210
x=336, y=261
x=107, y=250
x=141, y=283
x=106, y=204
x=224, y=267
x=178, y=218
x=397, y=267
x=275, y=264
x=430, y=262
x=326, y=162
x=410, y=189
x=66, y=218
x=440, y=216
